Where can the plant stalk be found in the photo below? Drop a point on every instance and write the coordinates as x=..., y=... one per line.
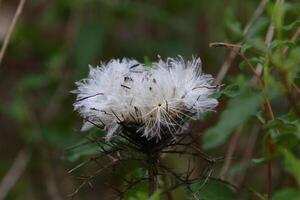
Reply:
x=152, y=173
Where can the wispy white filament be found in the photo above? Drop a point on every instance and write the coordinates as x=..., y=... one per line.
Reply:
x=125, y=93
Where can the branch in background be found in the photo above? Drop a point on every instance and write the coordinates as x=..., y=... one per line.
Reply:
x=14, y=173
x=11, y=28
x=257, y=74
x=231, y=148
x=247, y=155
x=293, y=39
x=289, y=94
x=268, y=40
x=270, y=149
x=50, y=181
x=225, y=67
x=259, y=71
x=295, y=36
x=236, y=49
x=228, y=62
x=87, y=179
x=296, y=88
x=259, y=10
x=224, y=44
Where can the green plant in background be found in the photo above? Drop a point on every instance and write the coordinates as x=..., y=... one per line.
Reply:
x=256, y=126
x=275, y=70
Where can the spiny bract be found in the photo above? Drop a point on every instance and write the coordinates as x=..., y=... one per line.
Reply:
x=153, y=101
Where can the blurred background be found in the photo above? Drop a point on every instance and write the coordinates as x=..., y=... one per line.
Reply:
x=51, y=47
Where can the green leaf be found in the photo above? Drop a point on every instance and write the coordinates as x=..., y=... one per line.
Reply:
x=233, y=27
x=235, y=30
x=291, y=65
x=55, y=136
x=231, y=90
x=155, y=196
x=258, y=27
x=287, y=194
x=292, y=25
x=278, y=14
x=245, y=47
x=144, y=196
x=256, y=45
x=292, y=164
x=82, y=151
x=260, y=117
x=288, y=141
x=257, y=194
x=87, y=147
x=18, y=109
x=239, y=110
x=148, y=62
x=288, y=125
x=277, y=43
x=142, y=187
x=297, y=79
x=214, y=189
x=258, y=160
x=290, y=119
x=253, y=61
x=33, y=81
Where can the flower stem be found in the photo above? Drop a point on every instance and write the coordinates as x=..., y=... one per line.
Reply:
x=152, y=173
x=152, y=181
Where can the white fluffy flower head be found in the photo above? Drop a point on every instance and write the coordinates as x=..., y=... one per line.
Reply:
x=126, y=96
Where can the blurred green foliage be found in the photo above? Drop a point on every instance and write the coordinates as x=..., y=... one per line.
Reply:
x=213, y=189
x=54, y=42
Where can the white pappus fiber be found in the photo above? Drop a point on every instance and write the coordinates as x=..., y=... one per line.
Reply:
x=152, y=100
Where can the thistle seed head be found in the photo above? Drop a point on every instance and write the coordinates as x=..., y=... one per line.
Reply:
x=150, y=102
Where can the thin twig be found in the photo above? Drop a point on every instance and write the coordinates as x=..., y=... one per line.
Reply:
x=152, y=180
x=228, y=62
x=270, y=111
x=11, y=29
x=295, y=36
x=247, y=154
x=268, y=40
x=270, y=149
x=222, y=44
x=236, y=49
x=87, y=179
x=259, y=10
x=231, y=148
x=168, y=193
x=14, y=173
x=293, y=39
x=296, y=88
x=50, y=181
x=259, y=70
